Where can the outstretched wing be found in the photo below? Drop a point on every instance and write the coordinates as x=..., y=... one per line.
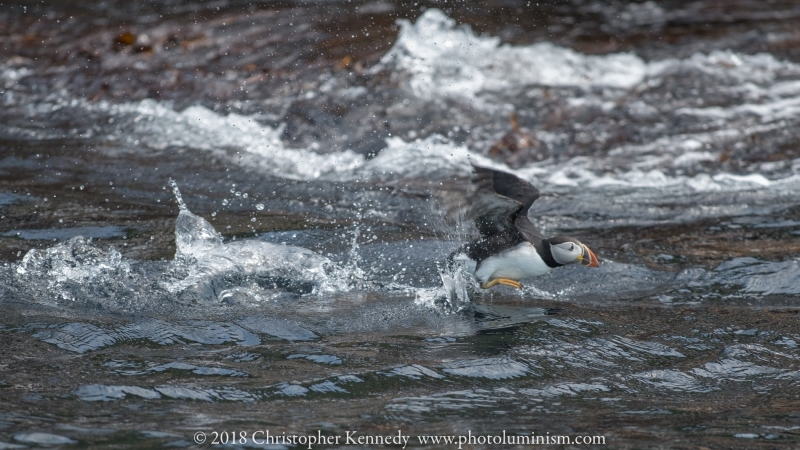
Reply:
x=501, y=200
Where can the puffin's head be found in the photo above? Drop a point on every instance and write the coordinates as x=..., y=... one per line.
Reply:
x=567, y=250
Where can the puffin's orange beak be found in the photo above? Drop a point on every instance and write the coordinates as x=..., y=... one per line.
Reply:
x=588, y=258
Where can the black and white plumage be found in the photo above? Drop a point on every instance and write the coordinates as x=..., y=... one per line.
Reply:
x=510, y=247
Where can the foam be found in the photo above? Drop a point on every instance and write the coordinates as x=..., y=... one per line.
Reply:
x=259, y=148
x=159, y=126
x=438, y=59
x=449, y=61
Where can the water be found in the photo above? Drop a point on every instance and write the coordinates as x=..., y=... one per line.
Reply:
x=235, y=215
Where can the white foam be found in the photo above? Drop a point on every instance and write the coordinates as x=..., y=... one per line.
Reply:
x=435, y=157
x=731, y=68
x=446, y=60
x=432, y=158
x=785, y=108
x=159, y=126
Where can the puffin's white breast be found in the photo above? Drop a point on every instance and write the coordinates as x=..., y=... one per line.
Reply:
x=516, y=263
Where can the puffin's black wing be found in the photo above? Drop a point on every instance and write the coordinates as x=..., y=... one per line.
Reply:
x=500, y=201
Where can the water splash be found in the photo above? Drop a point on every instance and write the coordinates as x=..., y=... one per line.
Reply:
x=354, y=274
x=177, y=193
x=242, y=271
x=453, y=295
x=79, y=271
x=450, y=61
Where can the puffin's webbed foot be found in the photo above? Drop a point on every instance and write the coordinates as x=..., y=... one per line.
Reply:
x=506, y=281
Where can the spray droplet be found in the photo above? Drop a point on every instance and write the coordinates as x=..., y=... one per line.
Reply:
x=260, y=206
x=177, y=192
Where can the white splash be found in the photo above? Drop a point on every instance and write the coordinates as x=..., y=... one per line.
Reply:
x=159, y=126
x=449, y=61
x=209, y=261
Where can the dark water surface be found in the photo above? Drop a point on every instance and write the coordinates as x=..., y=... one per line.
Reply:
x=295, y=282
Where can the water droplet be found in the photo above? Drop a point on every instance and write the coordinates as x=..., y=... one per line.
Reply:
x=177, y=193
x=260, y=206
x=81, y=187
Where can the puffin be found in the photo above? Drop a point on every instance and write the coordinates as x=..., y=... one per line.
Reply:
x=510, y=248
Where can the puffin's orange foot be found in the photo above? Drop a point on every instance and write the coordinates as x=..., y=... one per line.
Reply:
x=506, y=281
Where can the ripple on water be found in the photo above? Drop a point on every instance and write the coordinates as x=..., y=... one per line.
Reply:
x=50, y=234
x=491, y=368
x=763, y=277
x=100, y=392
x=82, y=337
x=734, y=369
x=450, y=401
x=124, y=368
x=672, y=380
x=326, y=387
x=568, y=389
x=278, y=328
x=44, y=439
x=103, y=393
x=613, y=281
x=291, y=390
x=415, y=372
x=322, y=359
x=598, y=353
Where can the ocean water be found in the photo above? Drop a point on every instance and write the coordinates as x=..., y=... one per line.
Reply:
x=235, y=216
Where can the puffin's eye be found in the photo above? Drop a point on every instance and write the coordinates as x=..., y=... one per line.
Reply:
x=571, y=247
